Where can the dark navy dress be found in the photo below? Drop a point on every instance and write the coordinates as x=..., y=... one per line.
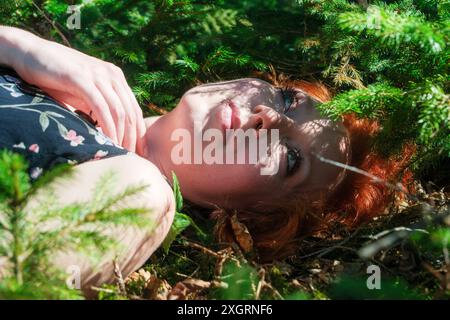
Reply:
x=43, y=131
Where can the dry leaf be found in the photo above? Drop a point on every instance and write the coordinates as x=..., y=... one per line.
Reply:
x=222, y=227
x=157, y=289
x=242, y=235
x=140, y=276
x=187, y=287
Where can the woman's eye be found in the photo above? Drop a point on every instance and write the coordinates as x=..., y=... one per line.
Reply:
x=289, y=98
x=294, y=160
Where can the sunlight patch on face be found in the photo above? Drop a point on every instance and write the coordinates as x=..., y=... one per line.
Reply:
x=199, y=112
x=243, y=105
x=270, y=159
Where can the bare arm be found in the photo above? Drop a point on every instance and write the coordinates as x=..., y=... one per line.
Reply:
x=76, y=79
x=137, y=244
x=14, y=45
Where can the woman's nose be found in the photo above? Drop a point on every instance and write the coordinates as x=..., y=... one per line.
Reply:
x=264, y=117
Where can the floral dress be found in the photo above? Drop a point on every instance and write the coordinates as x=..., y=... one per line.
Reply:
x=45, y=132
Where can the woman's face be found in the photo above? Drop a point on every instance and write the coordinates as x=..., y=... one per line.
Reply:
x=287, y=164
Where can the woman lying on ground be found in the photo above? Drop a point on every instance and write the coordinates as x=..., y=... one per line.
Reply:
x=301, y=196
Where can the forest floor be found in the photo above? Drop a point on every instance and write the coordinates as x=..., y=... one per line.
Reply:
x=409, y=244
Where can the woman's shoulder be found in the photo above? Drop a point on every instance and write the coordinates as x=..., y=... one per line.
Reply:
x=132, y=167
x=134, y=164
x=137, y=243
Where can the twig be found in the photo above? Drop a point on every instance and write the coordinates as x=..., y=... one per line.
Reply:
x=119, y=278
x=63, y=37
x=224, y=255
x=182, y=275
x=262, y=273
x=400, y=233
x=102, y=290
x=447, y=263
x=264, y=284
x=398, y=187
x=387, y=239
x=201, y=248
x=320, y=253
x=396, y=229
x=328, y=250
x=445, y=251
x=155, y=108
x=221, y=255
x=238, y=252
x=275, y=291
x=435, y=273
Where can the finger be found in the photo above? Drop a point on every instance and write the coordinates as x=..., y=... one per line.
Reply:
x=139, y=117
x=141, y=128
x=140, y=123
x=115, y=107
x=94, y=99
x=129, y=139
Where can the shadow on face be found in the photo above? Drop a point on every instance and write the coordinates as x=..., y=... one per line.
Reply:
x=260, y=105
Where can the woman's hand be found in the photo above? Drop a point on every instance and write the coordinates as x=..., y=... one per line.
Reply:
x=86, y=83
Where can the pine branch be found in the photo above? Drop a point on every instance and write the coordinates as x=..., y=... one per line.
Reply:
x=29, y=238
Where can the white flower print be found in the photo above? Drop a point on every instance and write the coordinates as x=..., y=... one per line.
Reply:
x=35, y=172
x=19, y=145
x=100, y=138
x=100, y=154
x=12, y=89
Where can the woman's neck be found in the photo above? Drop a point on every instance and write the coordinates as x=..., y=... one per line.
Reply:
x=150, y=120
x=152, y=147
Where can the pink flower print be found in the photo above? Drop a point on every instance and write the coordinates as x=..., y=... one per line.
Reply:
x=34, y=148
x=75, y=140
x=100, y=154
x=35, y=172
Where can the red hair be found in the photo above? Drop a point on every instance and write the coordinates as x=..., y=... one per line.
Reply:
x=357, y=199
